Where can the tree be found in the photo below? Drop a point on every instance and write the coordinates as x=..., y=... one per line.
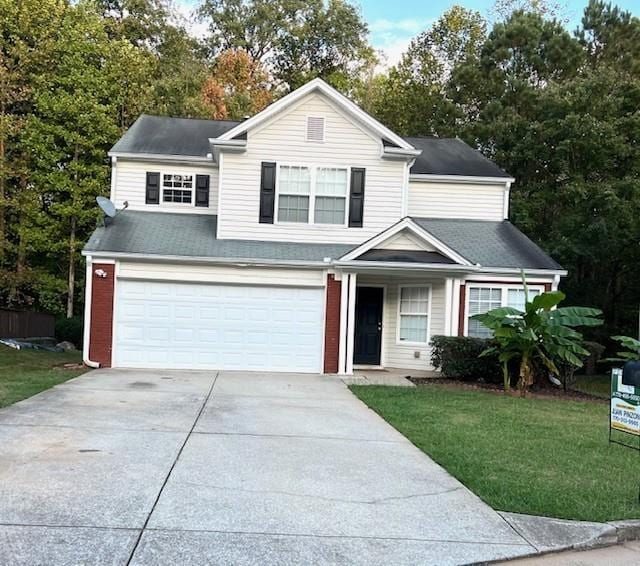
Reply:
x=540, y=334
x=295, y=39
x=238, y=86
x=502, y=9
x=611, y=36
x=412, y=98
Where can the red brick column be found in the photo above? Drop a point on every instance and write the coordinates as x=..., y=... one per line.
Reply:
x=461, y=313
x=101, y=330
x=332, y=326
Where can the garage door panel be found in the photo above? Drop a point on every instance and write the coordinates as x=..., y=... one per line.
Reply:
x=202, y=326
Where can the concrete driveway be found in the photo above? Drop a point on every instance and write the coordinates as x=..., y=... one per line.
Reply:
x=174, y=467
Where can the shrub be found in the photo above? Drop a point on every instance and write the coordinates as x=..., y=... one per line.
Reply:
x=70, y=329
x=458, y=357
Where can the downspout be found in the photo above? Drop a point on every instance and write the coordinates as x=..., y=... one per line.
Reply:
x=87, y=316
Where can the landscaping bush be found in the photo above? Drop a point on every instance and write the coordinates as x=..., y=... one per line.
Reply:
x=70, y=330
x=458, y=357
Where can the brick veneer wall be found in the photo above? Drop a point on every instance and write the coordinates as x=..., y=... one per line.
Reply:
x=101, y=330
x=332, y=326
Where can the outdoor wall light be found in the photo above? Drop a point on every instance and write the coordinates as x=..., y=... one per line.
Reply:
x=100, y=273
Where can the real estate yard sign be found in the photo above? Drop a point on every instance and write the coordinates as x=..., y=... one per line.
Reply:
x=625, y=405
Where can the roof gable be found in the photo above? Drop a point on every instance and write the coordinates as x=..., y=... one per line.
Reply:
x=433, y=248
x=341, y=101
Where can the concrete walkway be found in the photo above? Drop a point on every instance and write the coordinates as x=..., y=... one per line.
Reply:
x=165, y=467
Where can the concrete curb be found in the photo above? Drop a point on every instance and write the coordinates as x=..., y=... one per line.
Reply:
x=549, y=535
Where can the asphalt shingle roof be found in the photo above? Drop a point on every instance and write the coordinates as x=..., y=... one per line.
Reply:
x=490, y=244
x=171, y=136
x=451, y=156
x=162, y=135
x=194, y=235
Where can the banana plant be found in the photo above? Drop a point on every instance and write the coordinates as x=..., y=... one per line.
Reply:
x=542, y=332
x=631, y=352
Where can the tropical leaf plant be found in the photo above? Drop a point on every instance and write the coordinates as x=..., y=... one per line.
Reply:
x=631, y=353
x=542, y=333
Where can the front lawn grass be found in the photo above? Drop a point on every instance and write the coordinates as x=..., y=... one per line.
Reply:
x=598, y=385
x=24, y=373
x=537, y=456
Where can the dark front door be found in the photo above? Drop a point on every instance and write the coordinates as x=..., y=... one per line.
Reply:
x=368, y=331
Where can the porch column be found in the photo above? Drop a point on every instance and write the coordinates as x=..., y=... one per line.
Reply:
x=448, y=305
x=347, y=323
x=455, y=307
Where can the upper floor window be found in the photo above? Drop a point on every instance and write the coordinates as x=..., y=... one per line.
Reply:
x=177, y=188
x=485, y=298
x=316, y=195
x=294, y=184
x=331, y=196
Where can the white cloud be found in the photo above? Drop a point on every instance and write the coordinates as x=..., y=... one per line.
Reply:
x=407, y=25
x=186, y=13
x=392, y=37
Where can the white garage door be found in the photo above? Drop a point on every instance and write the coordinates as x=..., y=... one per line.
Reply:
x=193, y=326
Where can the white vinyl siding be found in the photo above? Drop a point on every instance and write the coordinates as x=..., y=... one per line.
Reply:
x=394, y=353
x=456, y=200
x=282, y=140
x=131, y=184
x=483, y=298
x=202, y=273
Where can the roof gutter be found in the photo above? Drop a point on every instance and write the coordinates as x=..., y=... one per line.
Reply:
x=328, y=262
x=163, y=157
x=400, y=153
x=231, y=145
x=425, y=178
x=239, y=262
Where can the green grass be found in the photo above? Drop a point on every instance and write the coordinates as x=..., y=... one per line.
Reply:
x=598, y=385
x=538, y=456
x=24, y=373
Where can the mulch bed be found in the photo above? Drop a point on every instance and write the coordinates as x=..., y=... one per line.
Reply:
x=542, y=393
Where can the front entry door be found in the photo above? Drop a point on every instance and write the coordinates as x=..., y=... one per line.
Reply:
x=368, y=331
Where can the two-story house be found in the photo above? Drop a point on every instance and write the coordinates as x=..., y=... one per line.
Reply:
x=308, y=238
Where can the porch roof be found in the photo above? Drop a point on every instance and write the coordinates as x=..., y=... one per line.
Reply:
x=489, y=243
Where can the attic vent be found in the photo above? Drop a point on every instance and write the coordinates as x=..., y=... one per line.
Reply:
x=315, y=128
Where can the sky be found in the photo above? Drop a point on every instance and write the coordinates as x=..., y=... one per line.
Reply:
x=392, y=24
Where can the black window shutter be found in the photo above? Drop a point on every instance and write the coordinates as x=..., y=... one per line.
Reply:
x=267, y=192
x=356, y=198
x=153, y=188
x=202, y=190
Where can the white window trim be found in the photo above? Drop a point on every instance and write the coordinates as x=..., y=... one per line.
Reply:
x=504, y=290
x=312, y=195
x=172, y=171
x=399, y=342
x=306, y=128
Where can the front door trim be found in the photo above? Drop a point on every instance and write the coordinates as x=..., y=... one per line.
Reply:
x=381, y=356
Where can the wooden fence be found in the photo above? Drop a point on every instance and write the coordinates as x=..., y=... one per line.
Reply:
x=26, y=324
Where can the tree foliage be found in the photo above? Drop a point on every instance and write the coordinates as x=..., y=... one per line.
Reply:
x=237, y=87
x=297, y=40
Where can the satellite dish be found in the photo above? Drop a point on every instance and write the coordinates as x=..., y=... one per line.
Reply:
x=107, y=206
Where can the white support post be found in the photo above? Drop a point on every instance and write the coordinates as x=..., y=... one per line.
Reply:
x=455, y=306
x=448, y=305
x=344, y=309
x=351, y=318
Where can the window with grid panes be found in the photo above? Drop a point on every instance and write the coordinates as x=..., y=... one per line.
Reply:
x=413, y=313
